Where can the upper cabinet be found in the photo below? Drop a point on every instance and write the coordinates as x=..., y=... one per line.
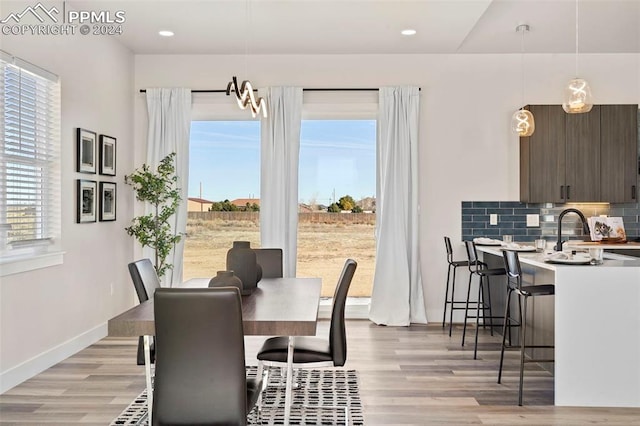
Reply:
x=590, y=157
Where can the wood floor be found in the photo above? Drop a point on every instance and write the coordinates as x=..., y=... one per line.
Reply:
x=408, y=376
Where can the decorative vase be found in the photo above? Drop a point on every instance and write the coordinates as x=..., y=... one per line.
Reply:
x=226, y=279
x=241, y=259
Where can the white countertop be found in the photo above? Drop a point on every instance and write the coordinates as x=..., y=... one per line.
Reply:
x=595, y=244
x=537, y=259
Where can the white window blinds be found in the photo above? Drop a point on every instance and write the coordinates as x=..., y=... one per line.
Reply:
x=30, y=156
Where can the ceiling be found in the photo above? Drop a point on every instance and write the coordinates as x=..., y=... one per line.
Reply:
x=373, y=26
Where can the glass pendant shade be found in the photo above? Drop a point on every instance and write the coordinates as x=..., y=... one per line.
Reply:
x=577, y=97
x=522, y=122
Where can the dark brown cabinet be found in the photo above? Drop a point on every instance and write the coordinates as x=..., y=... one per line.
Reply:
x=587, y=157
x=618, y=153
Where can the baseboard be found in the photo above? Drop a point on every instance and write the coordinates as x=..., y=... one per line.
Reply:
x=21, y=372
x=356, y=308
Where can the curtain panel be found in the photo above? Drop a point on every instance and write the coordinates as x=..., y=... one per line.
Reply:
x=397, y=295
x=279, y=154
x=169, y=112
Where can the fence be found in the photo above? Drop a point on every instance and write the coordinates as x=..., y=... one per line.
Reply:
x=351, y=218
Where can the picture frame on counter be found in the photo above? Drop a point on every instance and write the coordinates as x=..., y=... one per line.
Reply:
x=86, y=201
x=107, y=201
x=86, y=151
x=107, y=155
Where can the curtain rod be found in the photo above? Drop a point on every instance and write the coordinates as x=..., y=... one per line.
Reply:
x=313, y=89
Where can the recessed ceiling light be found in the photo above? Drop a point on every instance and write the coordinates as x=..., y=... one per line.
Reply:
x=408, y=32
x=166, y=33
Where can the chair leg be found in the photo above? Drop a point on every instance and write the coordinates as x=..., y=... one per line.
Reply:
x=446, y=296
x=466, y=309
x=480, y=298
x=453, y=292
x=489, y=304
x=504, y=334
x=523, y=327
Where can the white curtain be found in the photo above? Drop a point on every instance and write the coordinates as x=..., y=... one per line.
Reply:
x=397, y=295
x=279, y=153
x=169, y=124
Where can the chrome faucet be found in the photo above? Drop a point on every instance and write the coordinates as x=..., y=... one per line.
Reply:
x=585, y=226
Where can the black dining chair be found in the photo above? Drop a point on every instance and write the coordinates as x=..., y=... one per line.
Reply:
x=514, y=283
x=145, y=281
x=270, y=260
x=200, y=375
x=315, y=351
x=483, y=272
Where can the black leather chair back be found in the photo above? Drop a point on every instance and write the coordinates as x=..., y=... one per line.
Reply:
x=337, y=332
x=270, y=259
x=514, y=271
x=447, y=244
x=200, y=366
x=144, y=277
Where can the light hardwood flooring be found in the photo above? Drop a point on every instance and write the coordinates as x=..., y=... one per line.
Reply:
x=414, y=375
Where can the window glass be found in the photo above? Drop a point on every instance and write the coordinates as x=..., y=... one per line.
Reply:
x=337, y=185
x=224, y=193
x=30, y=160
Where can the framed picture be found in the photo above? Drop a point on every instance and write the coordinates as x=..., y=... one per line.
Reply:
x=86, y=201
x=86, y=161
x=107, y=155
x=107, y=201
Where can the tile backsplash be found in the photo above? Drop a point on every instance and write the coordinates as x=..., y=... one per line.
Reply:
x=512, y=219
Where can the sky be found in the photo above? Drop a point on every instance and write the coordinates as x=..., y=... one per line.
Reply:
x=337, y=158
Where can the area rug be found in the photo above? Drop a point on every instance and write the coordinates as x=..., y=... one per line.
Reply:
x=315, y=388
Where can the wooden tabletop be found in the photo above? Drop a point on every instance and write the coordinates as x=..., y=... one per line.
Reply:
x=279, y=306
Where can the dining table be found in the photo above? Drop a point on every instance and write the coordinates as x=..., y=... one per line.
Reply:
x=278, y=306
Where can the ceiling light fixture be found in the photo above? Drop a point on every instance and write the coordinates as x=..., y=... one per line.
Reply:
x=408, y=32
x=522, y=121
x=577, y=93
x=166, y=33
x=244, y=93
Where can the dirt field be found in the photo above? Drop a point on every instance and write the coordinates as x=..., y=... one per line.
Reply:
x=322, y=250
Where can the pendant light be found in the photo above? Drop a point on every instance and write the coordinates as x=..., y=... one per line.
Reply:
x=522, y=121
x=577, y=94
x=244, y=93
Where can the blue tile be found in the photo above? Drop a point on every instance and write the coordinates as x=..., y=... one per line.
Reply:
x=513, y=218
x=512, y=204
x=481, y=218
x=467, y=204
x=534, y=232
x=526, y=211
x=506, y=225
x=468, y=225
x=491, y=204
x=517, y=232
x=480, y=224
x=526, y=238
x=467, y=218
x=474, y=211
x=519, y=224
x=631, y=211
x=502, y=211
x=481, y=232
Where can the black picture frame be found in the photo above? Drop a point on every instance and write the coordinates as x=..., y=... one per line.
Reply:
x=107, y=155
x=107, y=201
x=86, y=151
x=86, y=201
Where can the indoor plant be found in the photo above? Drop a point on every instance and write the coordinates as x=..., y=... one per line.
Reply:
x=158, y=188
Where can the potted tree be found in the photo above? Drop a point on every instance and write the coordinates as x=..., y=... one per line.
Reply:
x=158, y=188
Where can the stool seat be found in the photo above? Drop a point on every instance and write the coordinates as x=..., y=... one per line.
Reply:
x=488, y=272
x=538, y=290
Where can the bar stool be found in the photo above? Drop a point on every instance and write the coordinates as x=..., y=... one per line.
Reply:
x=453, y=264
x=481, y=269
x=514, y=283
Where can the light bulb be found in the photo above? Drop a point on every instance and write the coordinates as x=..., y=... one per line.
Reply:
x=522, y=122
x=577, y=97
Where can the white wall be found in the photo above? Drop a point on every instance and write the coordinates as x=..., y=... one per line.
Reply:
x=467, y=151
x=48, y=314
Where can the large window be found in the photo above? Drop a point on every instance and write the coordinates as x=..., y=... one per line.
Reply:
x=30, y=160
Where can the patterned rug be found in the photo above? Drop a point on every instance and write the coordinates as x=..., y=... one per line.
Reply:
x=336, y=388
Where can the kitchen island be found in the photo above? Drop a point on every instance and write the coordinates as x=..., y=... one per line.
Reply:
x=596, y=327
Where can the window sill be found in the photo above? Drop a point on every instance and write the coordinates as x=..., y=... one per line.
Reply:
x=18, y=264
